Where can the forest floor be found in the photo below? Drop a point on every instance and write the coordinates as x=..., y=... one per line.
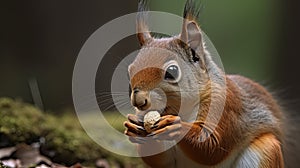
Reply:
x=30, y=137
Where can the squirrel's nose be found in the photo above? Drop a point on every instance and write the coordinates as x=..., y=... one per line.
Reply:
x=140, y=99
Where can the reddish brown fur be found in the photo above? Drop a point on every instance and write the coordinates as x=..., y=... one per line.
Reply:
x=219, y=145
x=258, y=92
x=147, y=78
x=227, y=136
x=269, y=147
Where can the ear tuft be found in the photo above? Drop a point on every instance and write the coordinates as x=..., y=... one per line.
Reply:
x=191, y=33
x=192, y=10
x=143, y=33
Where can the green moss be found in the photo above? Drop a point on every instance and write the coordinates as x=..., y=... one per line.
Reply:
x=3, y=166
x=20, y=121
x=63, y=135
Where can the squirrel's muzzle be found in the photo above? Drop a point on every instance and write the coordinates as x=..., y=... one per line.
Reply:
x=140, y=99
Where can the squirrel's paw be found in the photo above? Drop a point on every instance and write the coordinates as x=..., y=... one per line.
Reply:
x=135, y=129
x=167, y=128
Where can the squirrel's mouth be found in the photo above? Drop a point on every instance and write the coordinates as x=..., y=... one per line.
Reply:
x=160, y=111
x=166, y=111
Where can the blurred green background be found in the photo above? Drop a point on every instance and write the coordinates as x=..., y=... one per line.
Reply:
x=244, y=33
x=41, y=39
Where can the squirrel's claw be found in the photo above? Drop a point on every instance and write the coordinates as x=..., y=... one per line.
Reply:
x=171, y=132
x=165, y=121
x=135, y=119
x=134, y=130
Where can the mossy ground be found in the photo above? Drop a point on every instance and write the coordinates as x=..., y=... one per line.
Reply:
x=2, y=165
x=64, y=140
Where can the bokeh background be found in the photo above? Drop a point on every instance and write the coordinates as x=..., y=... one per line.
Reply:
x=40, y=41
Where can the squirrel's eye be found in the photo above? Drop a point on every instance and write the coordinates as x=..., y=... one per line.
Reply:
x=129, y=90
x=172, y=73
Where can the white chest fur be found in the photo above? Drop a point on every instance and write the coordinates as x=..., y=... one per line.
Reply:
x=247, y=159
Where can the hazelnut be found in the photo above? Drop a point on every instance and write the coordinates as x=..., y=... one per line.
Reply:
x=149, y=119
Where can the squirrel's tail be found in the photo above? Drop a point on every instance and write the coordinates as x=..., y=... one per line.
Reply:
x=291, y=131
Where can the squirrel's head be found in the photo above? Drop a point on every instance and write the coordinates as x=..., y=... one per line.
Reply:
x=168, y=72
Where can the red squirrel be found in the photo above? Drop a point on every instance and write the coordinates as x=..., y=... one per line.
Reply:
x=246, y=134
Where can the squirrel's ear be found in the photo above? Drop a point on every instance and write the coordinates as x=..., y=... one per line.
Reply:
x=142, y=30
x=192, y=36
x=143, y=34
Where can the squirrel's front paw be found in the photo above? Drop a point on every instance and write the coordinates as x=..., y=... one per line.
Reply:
x=167, y=128
x=135, y=129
